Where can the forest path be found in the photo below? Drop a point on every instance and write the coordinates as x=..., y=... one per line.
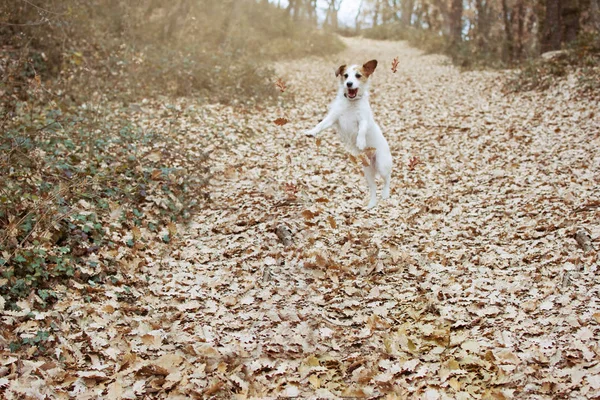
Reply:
x=466, y=283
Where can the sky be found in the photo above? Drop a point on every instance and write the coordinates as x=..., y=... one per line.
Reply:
x=347, y=13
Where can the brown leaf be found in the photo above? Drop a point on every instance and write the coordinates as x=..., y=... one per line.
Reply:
x=280, y=121
x=172, y=229
x=307, y=214
x=152, y=369
x=214, y=388
x=395, y=63
x=280, y=84
x=137, y=234
x=364, y=160
x=332, y=222
x=413, y=162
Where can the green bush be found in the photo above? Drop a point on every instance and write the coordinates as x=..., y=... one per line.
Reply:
x=76, y=178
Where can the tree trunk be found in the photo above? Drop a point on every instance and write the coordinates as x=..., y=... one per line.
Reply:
x=313, y=12
x=595, y=14
x=482, y=25
x=407, y=10
x=507, y=14
x=456, y=12
x=520, y=29
x=570, y=14
x=357, y=18
x=552, y=27
x=376, y=14
x=291, y=5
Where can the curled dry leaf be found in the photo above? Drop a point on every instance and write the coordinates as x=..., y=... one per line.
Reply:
x=366, y=156
x=280, y=84
x=280, y=121
x=584, y=240
x=284, y=233
x=364, y=160
x=395, y=63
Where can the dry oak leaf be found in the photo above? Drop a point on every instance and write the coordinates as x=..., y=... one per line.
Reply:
x=280, y=84
x=395, y=63
x=280, y=121
x=413, y=162
x=366, y=156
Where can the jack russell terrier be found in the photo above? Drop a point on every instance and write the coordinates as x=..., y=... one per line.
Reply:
x=351, y=115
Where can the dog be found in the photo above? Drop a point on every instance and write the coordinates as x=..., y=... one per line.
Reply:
x=351, y=116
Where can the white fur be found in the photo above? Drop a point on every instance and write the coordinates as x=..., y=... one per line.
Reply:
x=356, y=127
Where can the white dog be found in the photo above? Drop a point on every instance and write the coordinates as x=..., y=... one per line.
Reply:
x=350, y=114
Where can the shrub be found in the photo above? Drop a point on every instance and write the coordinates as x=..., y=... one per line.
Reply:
x=82, y=184
x=581, y=58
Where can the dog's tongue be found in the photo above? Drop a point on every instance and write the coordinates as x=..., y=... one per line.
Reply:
x=352, y=93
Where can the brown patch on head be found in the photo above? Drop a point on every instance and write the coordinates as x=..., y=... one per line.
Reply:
x=369, y=67
x=340, y=70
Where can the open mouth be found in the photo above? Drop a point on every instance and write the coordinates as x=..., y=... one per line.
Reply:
x=352, y=93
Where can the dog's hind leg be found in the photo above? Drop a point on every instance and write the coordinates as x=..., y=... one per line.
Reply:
x=384, y=168
x=370, y=177
x=385, y=193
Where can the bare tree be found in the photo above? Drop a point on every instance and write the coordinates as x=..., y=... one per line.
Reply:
x=407, y=11
x=595, y=14
x=456, y=26
x=570, y=15
x=507, y=14
x=357, y=18
x=552, y=32
x=331, y=18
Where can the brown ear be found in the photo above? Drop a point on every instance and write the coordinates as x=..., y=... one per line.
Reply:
x=340, y=70
x=369, y=67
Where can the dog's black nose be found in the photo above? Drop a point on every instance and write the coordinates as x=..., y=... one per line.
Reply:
x=349, y=84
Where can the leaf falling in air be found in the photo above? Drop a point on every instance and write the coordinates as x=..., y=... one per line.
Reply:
x=395, y=63
x=280, y=84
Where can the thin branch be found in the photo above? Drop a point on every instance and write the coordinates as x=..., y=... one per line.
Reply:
x=43, y=9
x=41, y=22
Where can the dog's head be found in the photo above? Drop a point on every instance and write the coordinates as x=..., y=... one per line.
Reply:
x=355, y=78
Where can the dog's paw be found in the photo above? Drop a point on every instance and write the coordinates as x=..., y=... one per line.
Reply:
x=310, y=133
x=361, y=143
x=371, y=204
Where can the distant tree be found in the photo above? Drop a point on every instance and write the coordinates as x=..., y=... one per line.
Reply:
x=595, y=15
x=331, y=18
x=407, y=11
x=507, y=14
x=552, y=22
x=570, y=16
x=456, y=26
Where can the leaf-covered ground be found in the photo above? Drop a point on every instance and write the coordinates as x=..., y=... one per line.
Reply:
x=467, y=283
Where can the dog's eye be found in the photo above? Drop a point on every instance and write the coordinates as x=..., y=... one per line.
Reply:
x=345, y=75
x=358, y=75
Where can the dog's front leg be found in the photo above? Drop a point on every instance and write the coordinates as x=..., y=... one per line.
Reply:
x=361, y=138
x=321, y=126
